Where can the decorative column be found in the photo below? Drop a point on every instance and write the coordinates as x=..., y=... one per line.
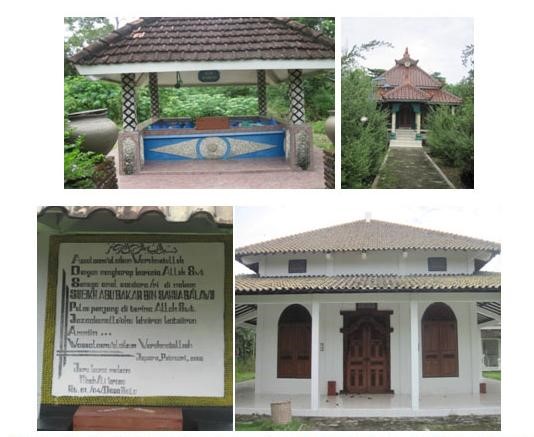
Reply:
x=453, y=110
x=154, y=94
x=300, y=137
x=296, y=96
x=418, y=123
x=414, y=354
x=129, y=115
x=261, y=93
x=393, y=122
x=130, y=154
x=314, y=388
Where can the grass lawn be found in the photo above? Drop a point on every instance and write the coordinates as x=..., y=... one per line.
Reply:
x=264, y=424
x=453, y=173
x=244, y=375
x=493, y=374
x=450, y=423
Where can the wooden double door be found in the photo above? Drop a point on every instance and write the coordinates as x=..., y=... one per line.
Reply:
x=366, y=350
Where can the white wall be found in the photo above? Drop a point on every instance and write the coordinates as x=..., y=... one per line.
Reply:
x=377, y=262
x=331, y=358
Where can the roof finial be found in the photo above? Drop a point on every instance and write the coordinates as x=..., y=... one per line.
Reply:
x=406, y=53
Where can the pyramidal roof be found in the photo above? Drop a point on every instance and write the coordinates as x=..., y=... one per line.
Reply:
x=407, y=82
x=367, y=235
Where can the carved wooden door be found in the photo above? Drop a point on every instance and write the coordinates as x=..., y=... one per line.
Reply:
x=367, y=360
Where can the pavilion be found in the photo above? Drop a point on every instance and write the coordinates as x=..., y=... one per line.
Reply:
x=186, y=51
x=408, y=92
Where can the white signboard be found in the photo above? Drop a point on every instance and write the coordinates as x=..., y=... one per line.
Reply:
x=139, y=319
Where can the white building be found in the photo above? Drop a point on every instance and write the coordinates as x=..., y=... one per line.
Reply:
x=382, y=317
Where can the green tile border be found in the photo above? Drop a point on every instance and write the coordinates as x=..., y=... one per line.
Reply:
x=55, y=241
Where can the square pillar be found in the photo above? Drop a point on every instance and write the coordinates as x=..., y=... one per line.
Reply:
x=296, y=97
x=154, y=94
x=261, y=93
x=476, y=348
x=393, y=121
x=453, y=110
x=314, y=381
x=414, y=354
x=129, y=113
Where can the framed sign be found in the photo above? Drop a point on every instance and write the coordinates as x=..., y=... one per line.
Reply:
x=209, y=75
x=139, y=320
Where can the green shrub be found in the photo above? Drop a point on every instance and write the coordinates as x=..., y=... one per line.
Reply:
x=78, y=165
x=364, y=144
x=452, y=136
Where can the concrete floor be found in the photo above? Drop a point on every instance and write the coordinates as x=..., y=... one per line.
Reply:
x=381, y=405
x=242, y=173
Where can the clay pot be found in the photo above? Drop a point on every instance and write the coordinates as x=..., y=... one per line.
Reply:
x=98, y=131
x=330, y=126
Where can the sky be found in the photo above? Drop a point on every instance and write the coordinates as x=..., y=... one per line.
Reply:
x=436, y=42
x=255, y=224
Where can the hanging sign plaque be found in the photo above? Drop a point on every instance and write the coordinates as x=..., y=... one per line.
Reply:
x=209, y=75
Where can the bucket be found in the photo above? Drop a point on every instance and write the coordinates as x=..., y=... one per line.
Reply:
x=281, y=412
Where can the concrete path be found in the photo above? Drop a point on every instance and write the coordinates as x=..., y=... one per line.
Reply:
x=243, y=173
x=409, y=168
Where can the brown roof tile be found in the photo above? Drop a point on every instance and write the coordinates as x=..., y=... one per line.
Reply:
x=367, y=235
x=208, y=39
x=406, y=92
x=254, y=285
x=406, y=81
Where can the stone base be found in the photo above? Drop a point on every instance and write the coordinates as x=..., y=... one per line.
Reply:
x=300, y=142
x=130, y=143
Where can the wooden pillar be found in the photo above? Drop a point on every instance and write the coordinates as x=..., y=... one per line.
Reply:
x=314, y=382
x=261, y=93
x=154, y=94
x=296, y=97
x=129, y=113
x=414, y=354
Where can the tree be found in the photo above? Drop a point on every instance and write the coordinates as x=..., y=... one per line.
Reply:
x=351, y=59
x=363, y=131
x=323, y=24
x=80, y=32
x=439, y=77
x=451, y=137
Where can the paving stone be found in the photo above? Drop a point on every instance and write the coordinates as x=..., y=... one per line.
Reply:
x=409, y=168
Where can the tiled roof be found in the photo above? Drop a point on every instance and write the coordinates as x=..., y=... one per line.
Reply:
x=415, y=75
x=406, y=92
x=254, y=285
x=367, y=235
x=219, y=214
x=183, y=39
x=442, y=96
x=406, y=81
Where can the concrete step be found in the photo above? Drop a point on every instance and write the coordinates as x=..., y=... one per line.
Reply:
x=405, y=143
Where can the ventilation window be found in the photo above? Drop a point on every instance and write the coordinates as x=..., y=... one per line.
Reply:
x=437, y=264
x=296, y=266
